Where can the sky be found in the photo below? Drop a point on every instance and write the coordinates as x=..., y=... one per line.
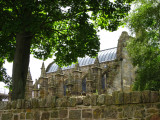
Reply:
x=107, y=40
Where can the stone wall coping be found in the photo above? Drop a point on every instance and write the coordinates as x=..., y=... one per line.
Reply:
x=117, y=98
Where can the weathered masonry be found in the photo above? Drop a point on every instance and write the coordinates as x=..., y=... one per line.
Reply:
x=110, y=71
x=119, y=106
x=93, y=89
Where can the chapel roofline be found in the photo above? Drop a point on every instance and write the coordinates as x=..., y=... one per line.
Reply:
x=106, y=55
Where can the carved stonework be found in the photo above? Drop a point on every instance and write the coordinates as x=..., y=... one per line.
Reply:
x=89, y=82
x=110, y=71
x=59, y=79
x=29, y=85
x=43, y=71
x=77, y=74
x=70, y=84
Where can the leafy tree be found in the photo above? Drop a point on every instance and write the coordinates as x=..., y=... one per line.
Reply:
x=3, y=75
x=145, y=49
x=5, y=78
x=65, y=28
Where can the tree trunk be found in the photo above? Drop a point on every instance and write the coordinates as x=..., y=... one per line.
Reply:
x=20, y=65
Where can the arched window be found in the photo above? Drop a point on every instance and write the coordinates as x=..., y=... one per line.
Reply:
x=84, y=85
x=65, y=87
x=104, y=81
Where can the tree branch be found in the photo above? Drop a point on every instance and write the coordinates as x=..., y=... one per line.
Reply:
x=13, y=5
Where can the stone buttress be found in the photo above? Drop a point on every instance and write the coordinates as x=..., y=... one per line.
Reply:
x=29, y=85
x=110, y=71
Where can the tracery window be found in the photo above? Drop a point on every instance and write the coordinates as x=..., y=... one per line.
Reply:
x=104, y=82
x=84, y=85
x=65, y=87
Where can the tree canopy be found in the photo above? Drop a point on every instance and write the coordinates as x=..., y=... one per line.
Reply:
x=144, y=49
x=59, y=26
x=65, y=28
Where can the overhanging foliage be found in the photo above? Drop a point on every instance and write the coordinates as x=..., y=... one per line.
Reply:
x=145, y=49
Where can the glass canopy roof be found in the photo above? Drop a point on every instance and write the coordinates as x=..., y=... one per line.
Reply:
x=103, y=56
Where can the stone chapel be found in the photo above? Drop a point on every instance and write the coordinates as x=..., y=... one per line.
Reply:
x=110, y=71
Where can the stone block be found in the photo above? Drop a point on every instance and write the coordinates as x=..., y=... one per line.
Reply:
x=118, y=97
x=94, y=100
x=75, y=114
x=109, y=100
x=154, y=96
x=152, y=111
x=1, y=112
x=158, y=106
x=139, y=114
x=28, y=104
x=87, y=100
x=4, y=105
x=22, y=115
x=54, y=114
x=35, y=103
x=42, y=102
x=155, y=117
x=128, y=111
x=150, y=105
x=20, y=103
x=16, y=117
x=7, y=116
x=45, y=116
x=127, y=98
x=63, y=113
x=51, y=101
x=62, y=102
x=72, y=102
x=120, y=109
x=97, y=113
x=101, y=99
x=87, y=113
x=9, y=105
x=79, y=101
x=14, y=104
x=120, y=116
x=136, y=97
x=36, y=115
x=146, y=96
x=110, y=112
x=29, y=115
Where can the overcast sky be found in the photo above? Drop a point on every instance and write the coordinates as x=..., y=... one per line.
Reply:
x=107, y=40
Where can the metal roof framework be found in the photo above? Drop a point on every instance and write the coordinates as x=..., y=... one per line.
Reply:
x=103, y=56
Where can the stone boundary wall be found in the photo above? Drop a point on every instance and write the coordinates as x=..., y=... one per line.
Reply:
x=120, y=106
